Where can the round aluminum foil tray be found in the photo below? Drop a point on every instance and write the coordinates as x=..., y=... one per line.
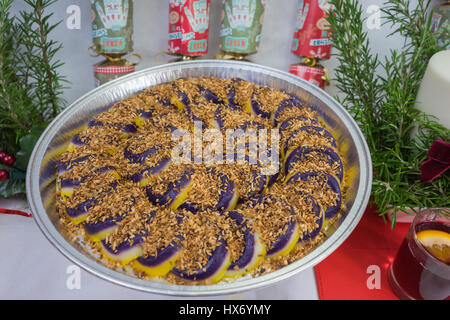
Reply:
x=41, y=173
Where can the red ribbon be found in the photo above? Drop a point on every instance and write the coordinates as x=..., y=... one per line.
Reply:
x=438, y=162
x=16, y=212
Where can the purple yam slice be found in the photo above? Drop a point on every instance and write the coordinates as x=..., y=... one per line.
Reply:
x=162, y=263
x=231, y=98
x=143, y=117
x=227, y=195
x=144, y=176
x=99, y=171
x=300, y=154
x=126, y=251
x=259, y=184
x=256, y=110
x=94, y=123
x=253, y=253
x=310, y=130
x=129, y=129
x=175, y=193
x=97, y=231
x=319, y=219
x=286, y=241
x=209, y=96
x=80, y=212
x=331, y=183
x=218, y=117
x=213, y=271
x=145, y=114
x=180, y=100
x=285, y=126
x=273, y=178
x=252, y=125
x=77, y=141
x=231, y=94
x=191, y=115
x=67, y=186
x=138, y=157
x=270, y=163
x=125, y=128
x=290, y=103
x=257, y=181
x=69, y=183
x=66, y=166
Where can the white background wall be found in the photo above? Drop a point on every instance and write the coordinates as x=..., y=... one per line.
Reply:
x=151, y=31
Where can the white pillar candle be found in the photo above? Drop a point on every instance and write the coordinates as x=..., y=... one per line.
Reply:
x=434, y=93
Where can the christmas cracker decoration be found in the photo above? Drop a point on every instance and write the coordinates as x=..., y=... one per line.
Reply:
x=440, y=23
x=240, y=32
x=112, y=34
x=188, y=28
x=112, y=26
x=108, y=70
x=312, y=37
x=312, y=41
x=311, y=71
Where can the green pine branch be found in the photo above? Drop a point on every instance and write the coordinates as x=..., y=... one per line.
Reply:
x=383, y=104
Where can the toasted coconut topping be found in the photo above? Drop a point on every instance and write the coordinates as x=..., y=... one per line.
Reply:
x=271, y=218
x=163, y=230
x=201, y=235
x=315, y=161
x=268, y=98
x=292, y=111
x=126, y=198
x=124, y=157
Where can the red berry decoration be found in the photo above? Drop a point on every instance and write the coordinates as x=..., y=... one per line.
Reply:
x=4, y=175
x=8, y=159
x=3, y=154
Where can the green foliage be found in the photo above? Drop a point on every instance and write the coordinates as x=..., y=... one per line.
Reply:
x=384, y=105
x=26, y=144
x=12, y=187
x=30, y=86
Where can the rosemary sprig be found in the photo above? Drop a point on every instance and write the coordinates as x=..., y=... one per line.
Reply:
x=384, y=105
x=30, y=85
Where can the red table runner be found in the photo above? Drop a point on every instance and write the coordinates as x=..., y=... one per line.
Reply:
x=357, y=270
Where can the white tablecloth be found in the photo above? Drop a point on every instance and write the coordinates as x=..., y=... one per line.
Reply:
x=31, y=268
